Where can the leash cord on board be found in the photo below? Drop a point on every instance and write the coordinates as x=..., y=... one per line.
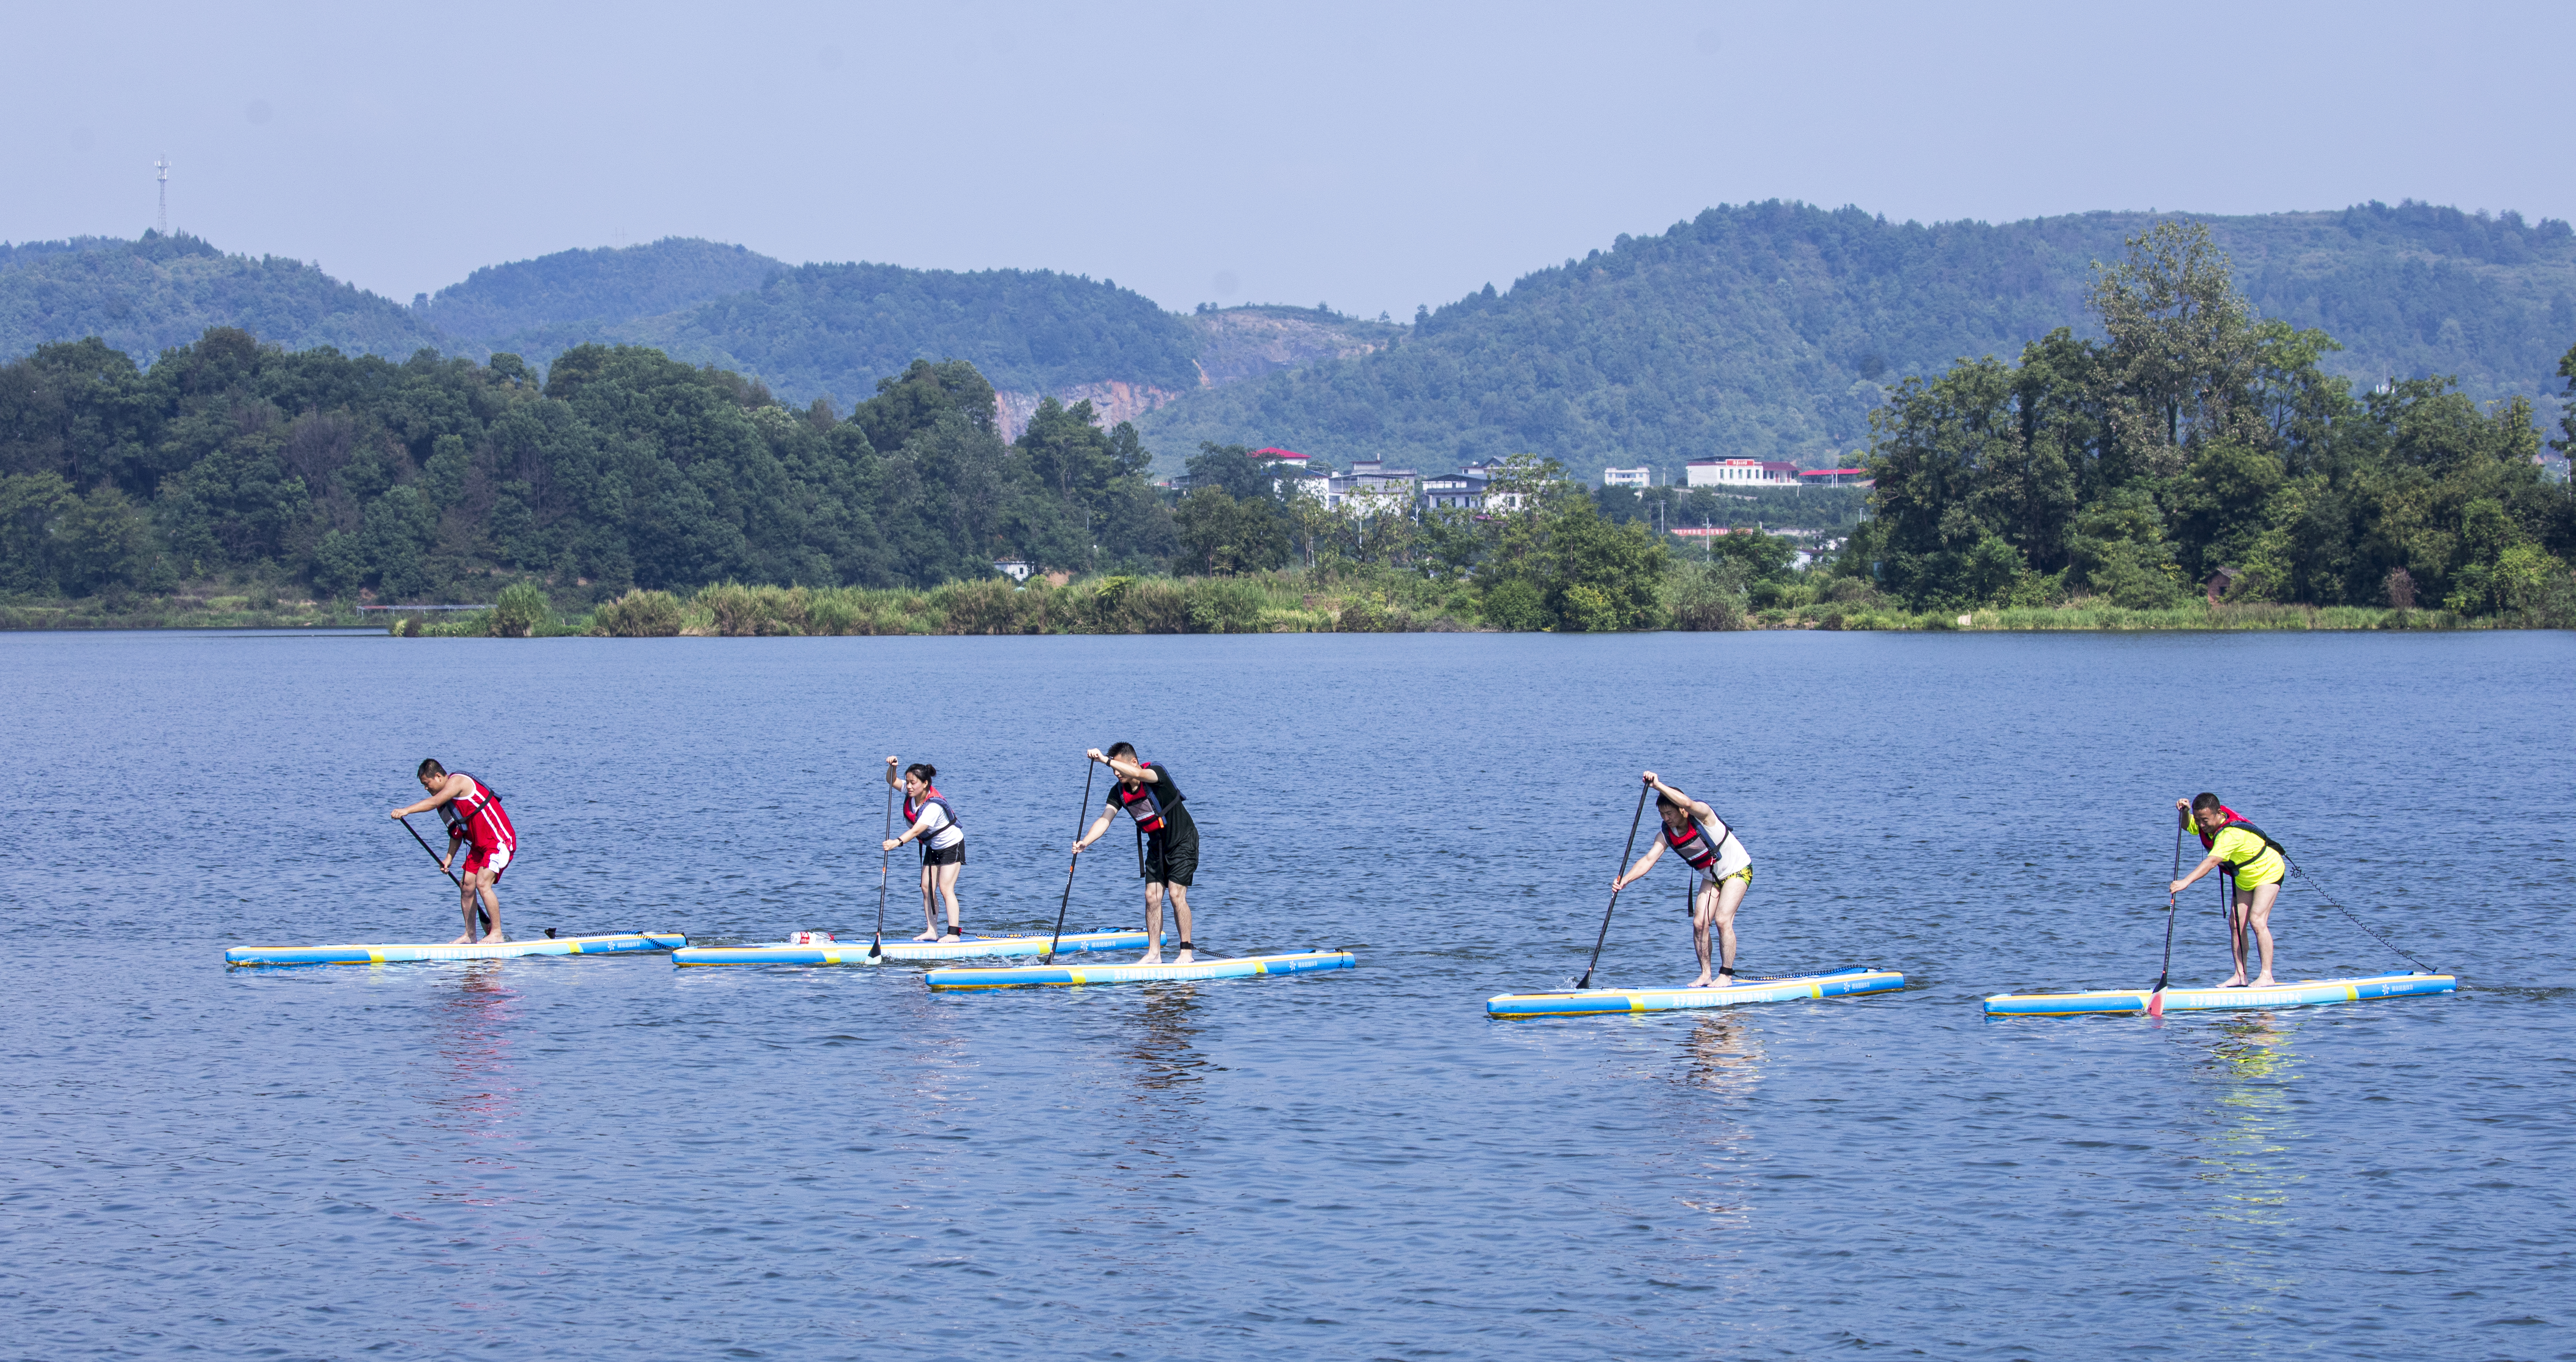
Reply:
x=2354, y=918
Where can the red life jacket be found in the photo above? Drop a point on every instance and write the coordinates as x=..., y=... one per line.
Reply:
x=912, y=811
x=1142, y=802
x=477, y=816
x=1693, y=842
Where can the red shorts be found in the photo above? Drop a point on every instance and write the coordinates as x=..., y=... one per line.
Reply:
x=478, y=858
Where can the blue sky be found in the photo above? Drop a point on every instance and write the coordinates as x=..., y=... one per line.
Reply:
x=1367, y=156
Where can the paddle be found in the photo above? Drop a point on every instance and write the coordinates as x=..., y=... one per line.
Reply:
x=1633, y=820
x=885, y=867
x=481, y=913
x=1088, y=767
x=2156, y=999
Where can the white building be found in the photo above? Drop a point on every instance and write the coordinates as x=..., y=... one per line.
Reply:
x=1463, y=490
x=1371, y=476
x=1741, y=473
x=1628, y=477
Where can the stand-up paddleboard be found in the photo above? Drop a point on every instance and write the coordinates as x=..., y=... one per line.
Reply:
x=897, y=952
x=614, y=943
x=1030, y=976
x=2305, y=993
x=1594, y=1002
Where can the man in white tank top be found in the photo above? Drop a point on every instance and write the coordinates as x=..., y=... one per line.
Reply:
x=1724, y=869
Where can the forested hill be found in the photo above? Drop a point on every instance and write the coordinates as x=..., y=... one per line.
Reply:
x=1772, y=330
x=542, y=307
x=149, y=295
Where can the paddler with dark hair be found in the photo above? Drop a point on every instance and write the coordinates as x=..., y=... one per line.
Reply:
x=1704, y=842
x=932, y=821
x=474, y=816
x=2250, y=855
x=1168, y=842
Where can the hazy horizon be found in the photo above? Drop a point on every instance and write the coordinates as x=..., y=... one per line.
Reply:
x=1368, y=159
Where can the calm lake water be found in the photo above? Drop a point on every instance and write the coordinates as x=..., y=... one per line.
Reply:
x=615, y=1158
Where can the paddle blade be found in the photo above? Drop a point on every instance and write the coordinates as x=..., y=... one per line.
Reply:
x=2156, y=1005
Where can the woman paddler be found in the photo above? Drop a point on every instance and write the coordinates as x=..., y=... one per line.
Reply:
x=1725, y=869
x=2254, y=859
x=933, y=823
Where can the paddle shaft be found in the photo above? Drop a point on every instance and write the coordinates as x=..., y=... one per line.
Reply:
x=2156, y=1000
x=885, y=868
x=481, y=914
x=1633, y=820
x=1088, y=769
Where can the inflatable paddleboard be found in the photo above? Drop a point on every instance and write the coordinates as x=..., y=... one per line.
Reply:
x=1593, y=1002
x=896, y=952
x=614, y=943
x=1030, y=976
x=2305, y=993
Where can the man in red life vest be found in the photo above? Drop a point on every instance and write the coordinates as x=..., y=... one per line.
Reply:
x=1168, y=842
x=475, y=817
x=1725, y=870
x=2254, y=862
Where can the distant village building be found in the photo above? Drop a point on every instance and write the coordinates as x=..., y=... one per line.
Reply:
x=1832, y=477
x=1628, y=477
x=1015, y=569
x=1366, y=475
x=1741, y=473
x=1462, y=490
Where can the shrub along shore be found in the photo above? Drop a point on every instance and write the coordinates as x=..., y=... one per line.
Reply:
x=1293, y=601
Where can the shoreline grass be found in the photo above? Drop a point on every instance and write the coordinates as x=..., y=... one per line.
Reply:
x=1277, y=602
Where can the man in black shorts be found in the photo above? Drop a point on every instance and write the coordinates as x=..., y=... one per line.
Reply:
x=1167, y=842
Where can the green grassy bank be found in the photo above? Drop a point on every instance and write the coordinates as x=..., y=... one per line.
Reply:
x=1278, y=602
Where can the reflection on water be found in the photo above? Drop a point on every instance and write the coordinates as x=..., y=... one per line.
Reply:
x=1721, y=1056
x=2246, y=1157
x=1167, y=1064
x=472, y=1099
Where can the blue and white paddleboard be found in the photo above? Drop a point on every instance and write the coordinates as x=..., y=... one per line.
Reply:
x=1594, y=1002
x=1030, y=976
x=898, y=952
x=614, y=943
x=2305, y=993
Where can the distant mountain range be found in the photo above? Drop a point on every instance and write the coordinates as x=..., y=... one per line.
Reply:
x=1765, y=330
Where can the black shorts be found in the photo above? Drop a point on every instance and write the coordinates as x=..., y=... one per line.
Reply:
x=1171, y=856
x=955, y=855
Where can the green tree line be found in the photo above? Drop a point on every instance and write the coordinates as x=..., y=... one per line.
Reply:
x=2197, y=435
x=623, y=469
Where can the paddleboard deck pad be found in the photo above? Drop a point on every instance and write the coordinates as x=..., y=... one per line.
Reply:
x=1595, y=1002
x=896, y=952
x=1034, y=976
x=2305, y=993
x=614, y=943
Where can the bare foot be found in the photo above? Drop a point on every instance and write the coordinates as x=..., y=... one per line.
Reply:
x=462, y=941
x=927, y=938
x=1702, y=981
x=2266, y=982
x=2236, y=980
x=1183, y=958
x=1151, y=958
x=952, y=937
x=494, y=939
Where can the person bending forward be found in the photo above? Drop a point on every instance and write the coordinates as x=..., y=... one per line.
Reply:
x=2255, y=860
x=1168, y=850
x=475, y=817
x=1724, y=869
x=933, y=823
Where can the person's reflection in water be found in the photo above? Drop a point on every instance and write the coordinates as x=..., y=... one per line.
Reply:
x=2248, y=1159
x=1166, y=1069
x=1721, y=1057
x=472, y=1102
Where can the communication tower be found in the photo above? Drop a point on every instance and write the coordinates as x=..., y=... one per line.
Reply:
x=163, y=165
